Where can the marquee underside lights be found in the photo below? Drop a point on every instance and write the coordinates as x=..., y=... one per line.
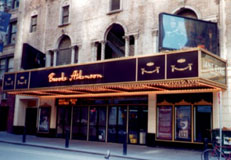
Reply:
x=193, y=70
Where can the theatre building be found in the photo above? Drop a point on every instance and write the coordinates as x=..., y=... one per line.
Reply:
x=110, y=73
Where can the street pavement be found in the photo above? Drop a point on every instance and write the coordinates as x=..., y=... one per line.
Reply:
x=90, y=150
x=24, y=152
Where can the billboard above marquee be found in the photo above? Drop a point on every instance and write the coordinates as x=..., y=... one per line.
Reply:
x=32, y=57
x=167, y=66
x=176, y=32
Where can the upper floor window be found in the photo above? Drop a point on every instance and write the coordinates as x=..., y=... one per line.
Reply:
x=115, y=5
x=6, y=65
x=64, y=51
x=187, y=13
x=131, y=46
x=65, y=14
x=9, y=4
x=33, y=26
x=115, y=43
x=15, y=4
x=11, y=33
x=98, y=51
x=2, y=67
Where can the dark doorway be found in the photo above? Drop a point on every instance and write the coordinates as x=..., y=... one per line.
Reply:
x=203, y=119
x=63, y=121
x=97, y=124
x=3, y=118
x=117, y=123
x=137, y=128
x=31, y=120
x=80, y=122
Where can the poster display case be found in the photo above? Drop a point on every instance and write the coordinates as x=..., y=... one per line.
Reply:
x=164, y=122
x=44, y=119
x=183, y=123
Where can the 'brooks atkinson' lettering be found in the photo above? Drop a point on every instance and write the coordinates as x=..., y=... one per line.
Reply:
x=76, y=75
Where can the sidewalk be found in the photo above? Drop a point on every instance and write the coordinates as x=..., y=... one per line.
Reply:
x=136, y=152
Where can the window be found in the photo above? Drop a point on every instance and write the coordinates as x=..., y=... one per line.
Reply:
x=10, y=66
x=11, y=33
x=65, y=14
x=15, y=4
x=6, y=65
x=1, y=6
x=51, y=53
x=115, y=43
x=114, y=5
x=76, y=54
x=33, y=23
x=187, y=13
x=131, y=45
x=64, y=51
x=2, y=67
x=10, y=4
x=98, y=50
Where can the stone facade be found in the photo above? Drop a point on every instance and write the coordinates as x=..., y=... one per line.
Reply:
x=89, y=22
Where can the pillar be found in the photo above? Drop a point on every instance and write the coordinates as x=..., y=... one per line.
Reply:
x=55, y=57
x=136, y=36
x=103, y=45
x=126, y=46
x=155, y=40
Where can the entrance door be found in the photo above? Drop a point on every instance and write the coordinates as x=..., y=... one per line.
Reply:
x=117, y=123
x=63, y=121
x=138, y=120
x=203, y=122
x=97, y=124
x=3, y=118
x=80, y=122
x=31, y=121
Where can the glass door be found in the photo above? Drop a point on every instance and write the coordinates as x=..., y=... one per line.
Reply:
x=97, y=124
x=203, y=122
x=117, y=122
x=80, y=122
x=138, y=117
x=63, y=120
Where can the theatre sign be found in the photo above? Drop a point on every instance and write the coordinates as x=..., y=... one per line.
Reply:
x=170, y=67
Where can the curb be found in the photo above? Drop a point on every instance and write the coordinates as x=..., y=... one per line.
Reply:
x=70, y=150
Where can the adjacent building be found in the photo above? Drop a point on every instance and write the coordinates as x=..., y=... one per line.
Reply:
x=7, y=63
x=99, y=69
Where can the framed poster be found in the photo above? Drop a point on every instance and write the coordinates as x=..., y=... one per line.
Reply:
x=44, y=119
x=183, y=123
x=164, y=122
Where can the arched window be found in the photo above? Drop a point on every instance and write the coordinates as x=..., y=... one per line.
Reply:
x=64, y=51
x=187, y=13
x=115, y=43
